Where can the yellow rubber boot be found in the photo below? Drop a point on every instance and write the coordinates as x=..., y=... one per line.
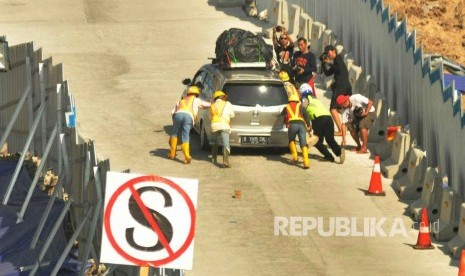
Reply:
x=185, y=150
x=173, y=144
x=305, y=156
x=293, y=149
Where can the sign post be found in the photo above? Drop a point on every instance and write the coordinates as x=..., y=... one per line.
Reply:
x=149, y=221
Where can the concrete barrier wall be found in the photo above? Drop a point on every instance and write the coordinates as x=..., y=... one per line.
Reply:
x=305, y=26
x=377, y=132
x=316, y=38
x=410, y=186
x=449, y=218
x=456, y=244
x=400, y=146
x=431, y=196
x=295, y=21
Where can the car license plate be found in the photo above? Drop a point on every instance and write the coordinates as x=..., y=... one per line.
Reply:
x=257, y=140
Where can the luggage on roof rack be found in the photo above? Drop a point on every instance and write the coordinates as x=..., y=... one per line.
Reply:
x=239, y=48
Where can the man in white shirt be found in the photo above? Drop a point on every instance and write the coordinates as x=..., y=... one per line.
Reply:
x=358, y=114
x=221, y=113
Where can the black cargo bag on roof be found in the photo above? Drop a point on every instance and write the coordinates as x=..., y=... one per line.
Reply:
x=237, y=45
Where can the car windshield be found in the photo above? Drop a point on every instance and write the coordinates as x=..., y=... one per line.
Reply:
x=251, y=94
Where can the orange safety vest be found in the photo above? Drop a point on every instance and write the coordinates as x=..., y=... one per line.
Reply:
x=294, y=115
x=217, y=113
x=187, y=104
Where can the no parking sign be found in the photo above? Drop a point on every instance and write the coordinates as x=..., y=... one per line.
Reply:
x=149, y=220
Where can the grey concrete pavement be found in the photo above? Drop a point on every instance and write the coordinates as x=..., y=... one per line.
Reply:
x=125, y=60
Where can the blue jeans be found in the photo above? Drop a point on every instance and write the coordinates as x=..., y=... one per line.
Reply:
x=297, y=129
x=182, y=122
x=224, y=138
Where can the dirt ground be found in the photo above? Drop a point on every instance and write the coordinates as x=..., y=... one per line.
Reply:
x=439, y=24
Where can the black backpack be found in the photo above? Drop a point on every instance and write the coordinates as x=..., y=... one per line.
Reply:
x=237, y=45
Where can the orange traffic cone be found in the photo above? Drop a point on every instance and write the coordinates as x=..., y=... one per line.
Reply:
x=424, y=238
x=462, y=263
x=376, y=187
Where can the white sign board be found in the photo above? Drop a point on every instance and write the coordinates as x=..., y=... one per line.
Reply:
x=149, y=221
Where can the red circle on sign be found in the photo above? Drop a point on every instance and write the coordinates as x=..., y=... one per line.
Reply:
x=127, y=185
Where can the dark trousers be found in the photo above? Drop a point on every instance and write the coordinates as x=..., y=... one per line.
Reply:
x=323, y=127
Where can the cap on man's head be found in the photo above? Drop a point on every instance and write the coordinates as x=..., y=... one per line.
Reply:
x=342, y=99
x=305, y=90
x=329, y=48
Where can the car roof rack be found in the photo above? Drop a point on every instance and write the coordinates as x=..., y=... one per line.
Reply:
x=239, y=65
x=247, y=65
x=242, y=65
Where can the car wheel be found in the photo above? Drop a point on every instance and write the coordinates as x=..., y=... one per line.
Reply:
x=204, y=144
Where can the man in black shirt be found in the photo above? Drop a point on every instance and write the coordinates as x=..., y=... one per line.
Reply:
x=341, y=84
x=303, y=63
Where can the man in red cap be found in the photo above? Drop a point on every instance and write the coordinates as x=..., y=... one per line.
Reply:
x=358, y=114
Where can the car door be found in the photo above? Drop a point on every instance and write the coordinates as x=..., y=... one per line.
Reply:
x=203, y=117
x=198, y=80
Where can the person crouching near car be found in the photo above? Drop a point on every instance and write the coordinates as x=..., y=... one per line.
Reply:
x=322, y=124
x=221, y=113
x=358, y=114
x=297, y=122
x=183, y=119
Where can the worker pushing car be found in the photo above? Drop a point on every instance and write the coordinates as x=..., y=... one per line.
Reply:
x=183, y=119
x=322, y=125
x=290, y=88
x=298, y=123
x=221, y=113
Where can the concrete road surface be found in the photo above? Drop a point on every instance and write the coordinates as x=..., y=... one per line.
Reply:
x=125, y=60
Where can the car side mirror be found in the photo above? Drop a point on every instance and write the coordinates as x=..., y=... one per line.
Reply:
x=186, y=81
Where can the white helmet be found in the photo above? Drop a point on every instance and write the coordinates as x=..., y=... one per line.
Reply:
x=305, y=90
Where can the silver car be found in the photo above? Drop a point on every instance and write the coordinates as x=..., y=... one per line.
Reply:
x=258, y=98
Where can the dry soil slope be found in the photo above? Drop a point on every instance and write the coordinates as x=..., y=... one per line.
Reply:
x=439, y=25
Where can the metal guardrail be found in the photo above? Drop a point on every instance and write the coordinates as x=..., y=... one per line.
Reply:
x=34, y=103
